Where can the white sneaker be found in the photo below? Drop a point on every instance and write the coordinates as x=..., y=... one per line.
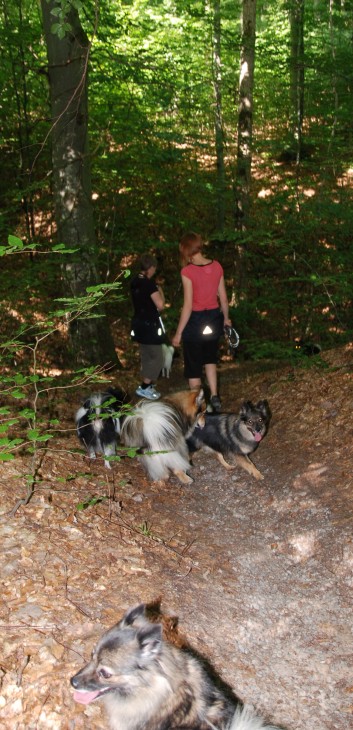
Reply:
x=148, y=392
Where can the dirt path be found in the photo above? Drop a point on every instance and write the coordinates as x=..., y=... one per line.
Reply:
x=259, y=574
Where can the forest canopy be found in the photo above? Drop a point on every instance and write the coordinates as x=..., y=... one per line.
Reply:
x=230, y=118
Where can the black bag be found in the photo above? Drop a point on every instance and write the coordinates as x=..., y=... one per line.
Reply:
x=205, y=325
x=148, y=331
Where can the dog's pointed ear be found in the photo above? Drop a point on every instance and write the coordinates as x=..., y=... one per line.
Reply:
x=264, y=407
x=245, y=407
x=150, y=640
x=132, y=615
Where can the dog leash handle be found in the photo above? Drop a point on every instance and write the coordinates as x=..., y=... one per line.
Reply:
x=232, y=337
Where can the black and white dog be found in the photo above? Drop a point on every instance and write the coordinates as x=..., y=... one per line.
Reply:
x=98, y=423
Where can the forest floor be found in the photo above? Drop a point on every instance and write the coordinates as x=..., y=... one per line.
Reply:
x=258, y=574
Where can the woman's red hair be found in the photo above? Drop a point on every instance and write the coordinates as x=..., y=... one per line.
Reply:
x=190, y=244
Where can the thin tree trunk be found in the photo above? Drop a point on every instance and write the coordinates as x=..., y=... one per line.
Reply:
x=68, y=59
x=245, y=115
x=334, y=76
x=219, y=134
x=20, y=92
x=296, y=16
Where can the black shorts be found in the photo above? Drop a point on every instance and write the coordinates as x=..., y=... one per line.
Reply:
x=198, y=354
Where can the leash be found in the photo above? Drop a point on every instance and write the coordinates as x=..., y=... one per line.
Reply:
x=232, y=337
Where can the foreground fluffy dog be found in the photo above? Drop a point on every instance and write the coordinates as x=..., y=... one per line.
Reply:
x=146, y=683
x=161, y=427
x=227, y=434
x=98, y=423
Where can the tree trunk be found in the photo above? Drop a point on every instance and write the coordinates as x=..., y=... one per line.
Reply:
x=19, y=87
x=217, y=85
x=334, y=75
x=92, y=343
x=296, y=16
x=245, y=115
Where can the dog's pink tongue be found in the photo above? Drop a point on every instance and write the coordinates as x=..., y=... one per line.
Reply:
x=85, y=697
x=258, y=436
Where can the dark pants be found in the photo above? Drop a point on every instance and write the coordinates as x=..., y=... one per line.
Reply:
x=198, y=354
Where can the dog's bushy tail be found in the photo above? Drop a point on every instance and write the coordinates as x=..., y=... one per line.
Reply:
x=156, y=427
x=151, y=425
x=245, y=718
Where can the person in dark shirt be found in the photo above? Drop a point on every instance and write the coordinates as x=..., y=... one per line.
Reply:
x=147, y=329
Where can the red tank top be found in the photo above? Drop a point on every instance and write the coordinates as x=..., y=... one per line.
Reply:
x=205, y=282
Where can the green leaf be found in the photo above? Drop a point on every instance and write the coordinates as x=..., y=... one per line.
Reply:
x=61, y=248
x=15, y=242
x=20, y=379
x=9, y=443
x=33, y=434
x=131, y=453
x=27, y=413
x=18, y=393
x=90, y=502
x=5, y=426
x=60, y=313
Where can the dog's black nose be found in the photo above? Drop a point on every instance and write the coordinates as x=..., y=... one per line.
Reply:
x=74, y=681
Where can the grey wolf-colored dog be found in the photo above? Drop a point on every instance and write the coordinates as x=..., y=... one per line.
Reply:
x=229, y=434
x=146, y=683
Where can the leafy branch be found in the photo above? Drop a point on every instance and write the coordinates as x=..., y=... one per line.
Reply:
x=23, y=430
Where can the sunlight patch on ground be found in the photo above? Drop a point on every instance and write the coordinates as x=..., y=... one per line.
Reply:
x=313, y=475
x=304, y=546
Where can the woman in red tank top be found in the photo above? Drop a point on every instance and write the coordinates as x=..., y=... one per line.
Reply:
x=203, y=316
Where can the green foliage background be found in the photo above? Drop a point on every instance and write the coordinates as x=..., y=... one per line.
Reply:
x=152, y=144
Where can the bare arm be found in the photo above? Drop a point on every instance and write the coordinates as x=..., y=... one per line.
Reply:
x=223, y=300
x=185, y=312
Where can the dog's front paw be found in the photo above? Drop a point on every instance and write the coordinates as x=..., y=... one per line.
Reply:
x=248, y=465
x=183, y=477
x=225, y=463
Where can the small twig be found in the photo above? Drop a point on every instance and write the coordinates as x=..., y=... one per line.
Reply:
x=152, y=538
x=24, y=500
x=181, y=577
x=25, y=661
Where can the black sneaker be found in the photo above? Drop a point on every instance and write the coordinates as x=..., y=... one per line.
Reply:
x=216, y=404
